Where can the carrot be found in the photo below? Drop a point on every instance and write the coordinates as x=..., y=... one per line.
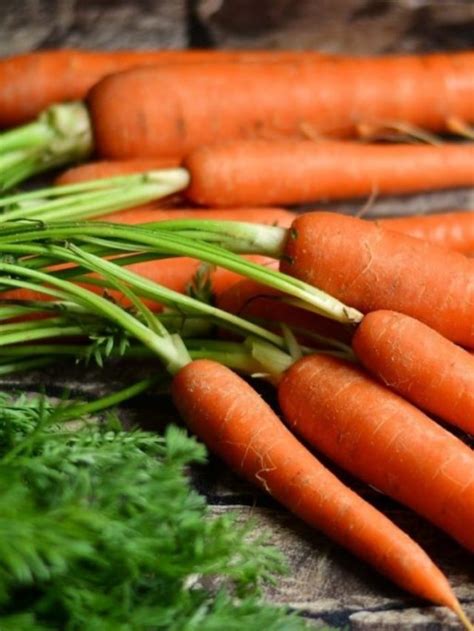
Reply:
x=250, y=299
x=420, y=364
x=370, y=268
x=144, y=213
x=168, y=111
x=382, y=439
x=174, y=273
x=235, y=423
x=259, y=172
x=452, y=230
x=110, y=168
x=31, y=82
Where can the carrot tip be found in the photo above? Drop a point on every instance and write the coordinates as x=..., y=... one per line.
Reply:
x=467, y=624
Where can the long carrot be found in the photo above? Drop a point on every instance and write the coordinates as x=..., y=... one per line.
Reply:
x=383, y=440
x=259, y=172
x=170, y=111
x=229, y=416
x=371, y=268
x=452, y=230
x=31, y=82
x=420, y=364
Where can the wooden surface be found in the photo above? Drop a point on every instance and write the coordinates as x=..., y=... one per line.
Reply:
x=325, y=584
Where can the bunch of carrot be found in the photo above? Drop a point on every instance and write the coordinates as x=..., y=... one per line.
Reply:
x=408, y=276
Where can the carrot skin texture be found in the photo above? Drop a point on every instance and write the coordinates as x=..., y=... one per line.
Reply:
x=168, y=111
x=31, y=82
x=237, y=425
x=383, y=440
x=262, y=173
x=371, y=268
x=419, y=364
x=452, y=230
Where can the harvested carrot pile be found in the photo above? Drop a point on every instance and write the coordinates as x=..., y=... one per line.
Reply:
x=181, y=245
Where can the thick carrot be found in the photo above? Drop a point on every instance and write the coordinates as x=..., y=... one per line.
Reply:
x=420, y=364
x=31, y=82
x=370, y=268
x=250, y=299
x=452, y=230
x=235, y=423
x=259, y=172
x=168, y=111
x=382, y=439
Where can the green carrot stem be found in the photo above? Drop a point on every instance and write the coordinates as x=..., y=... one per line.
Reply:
x=100, y=197
x=23, y=365
x=170, y=244
x=61, y=134
x=164, y=345
x=237, y=236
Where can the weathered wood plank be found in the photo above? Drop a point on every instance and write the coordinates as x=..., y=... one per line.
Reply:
x=33, y=24
x=347, y=26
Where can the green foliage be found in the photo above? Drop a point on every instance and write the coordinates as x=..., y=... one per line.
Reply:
x=99, y=530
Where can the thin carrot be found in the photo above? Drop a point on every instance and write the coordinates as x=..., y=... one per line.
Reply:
x=110, y=168
x=259, y=172
x=452, y=230
x=168, y=111
x=371, y=268
x=382, y=439
x=235, y=423
x=250, y=299
x=175, y=273
x=31, y=82
x=420, y=364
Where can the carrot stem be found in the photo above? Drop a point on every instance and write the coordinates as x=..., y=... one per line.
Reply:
x=103, y=197
x=177, y=245
x=61, y=134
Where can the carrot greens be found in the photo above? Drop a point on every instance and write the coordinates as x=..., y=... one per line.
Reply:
x=101, y=529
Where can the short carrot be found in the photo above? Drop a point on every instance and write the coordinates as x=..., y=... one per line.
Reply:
x=260, y=172
x=452, y=230
x=382, y=439
x=168, y=111
x=237, y=425
x=371, y=268
x=31, y=82
x=420, y=364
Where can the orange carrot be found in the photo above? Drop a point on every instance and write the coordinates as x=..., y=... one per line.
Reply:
x=111, y=168
x=174, y=273
x=262, y=173
x=382, y=439
x=370, y=268
x=250, y=299
x=235, y=423
x=420, y=364
x=169, y=110
x=452, y=230
x=31, y=82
